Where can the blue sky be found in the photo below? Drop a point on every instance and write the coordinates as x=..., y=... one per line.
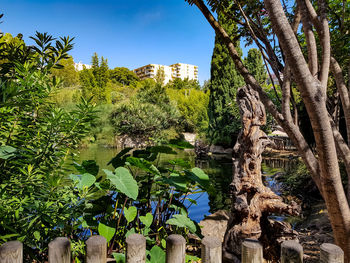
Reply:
x=129, y=33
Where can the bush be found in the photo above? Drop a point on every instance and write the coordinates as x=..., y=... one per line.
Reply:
x=147, y=115
x=193, y=105
x=37, y=201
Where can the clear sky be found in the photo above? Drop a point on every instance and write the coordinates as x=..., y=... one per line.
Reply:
x=129, y=33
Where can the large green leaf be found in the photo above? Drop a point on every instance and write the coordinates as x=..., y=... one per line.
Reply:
x=147, y=220
x=106, y=231
x=157, y=255
x=179, y=181
x=143, y=164
x=130, y=213
x=123, y=181
x=7, y=152
x=182, y=221
x=87, y=166
x=86, y=180
x=197, y=175
x=119, y=159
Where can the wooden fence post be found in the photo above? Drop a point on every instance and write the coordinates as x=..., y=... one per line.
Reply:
x=331, y=254
x=135, y=249
x=59, y=250
x=252, y=251
x=211, y=250
x=11, y=252
x=175, y=249
x=96, y=250
x=291, y=252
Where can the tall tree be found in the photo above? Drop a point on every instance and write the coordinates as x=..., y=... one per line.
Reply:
x=224, y=123
x=309, y=71
x=255, y=65
x=94, y=81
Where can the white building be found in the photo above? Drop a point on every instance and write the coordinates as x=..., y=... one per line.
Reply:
x=183, y=71
x=80, y=66
x=171, y=72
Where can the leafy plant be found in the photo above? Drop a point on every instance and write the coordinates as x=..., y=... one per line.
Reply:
x=141, y=196
x=38, y=201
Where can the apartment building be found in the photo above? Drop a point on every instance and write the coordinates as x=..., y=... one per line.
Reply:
x=171, y=72
x=183, y=71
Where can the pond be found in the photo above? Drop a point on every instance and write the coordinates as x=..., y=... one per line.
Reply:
x=218, y=168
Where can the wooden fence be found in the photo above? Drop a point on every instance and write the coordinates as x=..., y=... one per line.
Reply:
x=211, y=251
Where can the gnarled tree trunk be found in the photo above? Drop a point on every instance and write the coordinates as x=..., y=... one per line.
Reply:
x=252, y=200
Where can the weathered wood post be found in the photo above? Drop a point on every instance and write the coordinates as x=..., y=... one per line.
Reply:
x=135, y=249
x=331, y=253
x=96, y=250
x=211, y=250
x=59, y=250
x=291, y=252
x=252, y=251
x=175, y=249
x=11, y=252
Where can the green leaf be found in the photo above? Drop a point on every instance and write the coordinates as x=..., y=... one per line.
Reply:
x=157, y=255
x=37, y=235
x=106, y=231
x=197, y=175
x=119, y=159
x=143, y=165
x=119, y=257
x=131, y=231
x=162, y=149
x=180, y=144
x=163, y=242
x=182, y=221
x=123, y=181
x=7, y=152
x=7, y=237
x=200, y=174
x=87, y=166
x=86, y=180
x=179, y=181
x=130, y=213
x=180, y=162
x=147, y=220
x=190, y=259
x=74, y=178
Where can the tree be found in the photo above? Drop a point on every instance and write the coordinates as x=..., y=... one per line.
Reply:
x=255, y=65
x=94, y=81
x=224, y=123
x=68, y=74
x=310, y=73
x=123, y=76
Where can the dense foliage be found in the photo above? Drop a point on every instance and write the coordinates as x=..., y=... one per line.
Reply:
x=146, y=115
x=142, y=196
x=224, y=122
x=37, y=202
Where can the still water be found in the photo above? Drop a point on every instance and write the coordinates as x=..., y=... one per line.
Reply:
x=218, y=168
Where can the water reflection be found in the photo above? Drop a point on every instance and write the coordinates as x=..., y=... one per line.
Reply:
x=218, y=167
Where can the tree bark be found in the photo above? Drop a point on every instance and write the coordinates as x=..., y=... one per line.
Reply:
x=252, y=201
x=313, y=96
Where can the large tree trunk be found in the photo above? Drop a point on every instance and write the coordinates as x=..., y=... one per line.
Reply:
x=323, y=166
x=252, y=201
